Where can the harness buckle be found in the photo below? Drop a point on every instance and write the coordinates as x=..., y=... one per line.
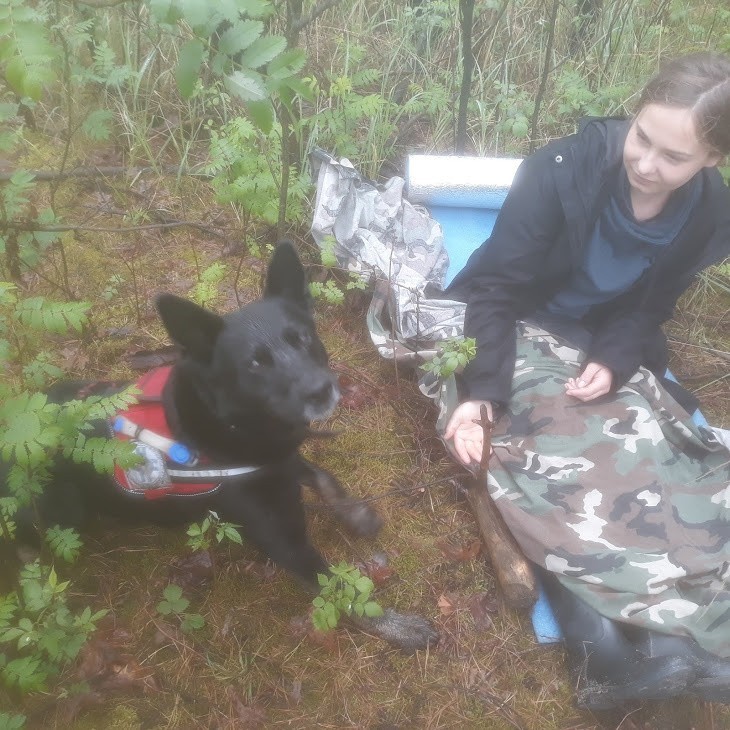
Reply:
x=152, y=472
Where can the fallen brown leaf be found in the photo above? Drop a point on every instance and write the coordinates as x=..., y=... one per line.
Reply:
x=447, y=604
x=352, y=395
x=107, y=668
x=301, y=627
x=377, y=569
x=462, y=553
x=193, y=571
x=249, y=716
x=263, y=571
x=481, y=605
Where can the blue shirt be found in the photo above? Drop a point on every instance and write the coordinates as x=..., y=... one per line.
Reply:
x=621, y=248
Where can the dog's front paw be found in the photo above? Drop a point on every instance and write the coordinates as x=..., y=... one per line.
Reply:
x=359, y=518
x=407, y=632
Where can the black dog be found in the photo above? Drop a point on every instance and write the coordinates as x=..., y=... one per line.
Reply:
x=242, y=395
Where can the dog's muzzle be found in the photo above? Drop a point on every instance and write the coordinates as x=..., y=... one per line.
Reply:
x=321, y=403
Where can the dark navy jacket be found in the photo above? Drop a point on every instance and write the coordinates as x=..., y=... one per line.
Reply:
x=537, y=241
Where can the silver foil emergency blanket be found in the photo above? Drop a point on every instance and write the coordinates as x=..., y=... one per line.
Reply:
x=384, y=238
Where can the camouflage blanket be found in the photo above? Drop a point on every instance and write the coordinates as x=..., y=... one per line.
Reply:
x=626, y=500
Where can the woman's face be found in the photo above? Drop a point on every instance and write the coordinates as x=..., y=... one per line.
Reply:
x=662, y=151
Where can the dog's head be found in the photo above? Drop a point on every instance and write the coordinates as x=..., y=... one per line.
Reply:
x=263, y=364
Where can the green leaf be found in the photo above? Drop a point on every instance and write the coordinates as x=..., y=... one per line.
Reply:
x=520, y=127
x=254, y=8
x=262, y=114
x=65, y=543
x=373, y=609
x=174, y=602
x=331, y=615
x=191, y=622
x=26, y=673
x=263, y=50
x=287, y=64
x=304, y=90
x=11, y=722
x=164, y=607
x=172, y=592
x=8, y=607
x=319, y=619
x=96, y=125
x=232, y=534
x=247, y=86
x=195, y=12
x=188, y=66
x=10, y=635
x=364, y=584
x=240, y=36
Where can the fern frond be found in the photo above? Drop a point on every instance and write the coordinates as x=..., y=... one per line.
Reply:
x=41, y=315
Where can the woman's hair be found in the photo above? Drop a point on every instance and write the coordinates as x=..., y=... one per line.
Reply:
x=699, y=82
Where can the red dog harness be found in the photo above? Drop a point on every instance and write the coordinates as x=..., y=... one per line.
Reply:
x=169, y=468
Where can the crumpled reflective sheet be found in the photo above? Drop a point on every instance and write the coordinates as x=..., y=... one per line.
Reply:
x=382, y=236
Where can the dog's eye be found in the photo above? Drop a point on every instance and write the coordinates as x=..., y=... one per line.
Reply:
x=295, y=339
x=261, y=358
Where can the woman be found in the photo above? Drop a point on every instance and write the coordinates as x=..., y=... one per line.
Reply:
x=596, y=465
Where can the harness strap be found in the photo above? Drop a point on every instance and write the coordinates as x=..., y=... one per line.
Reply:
x=193, y=475
x=168, y=468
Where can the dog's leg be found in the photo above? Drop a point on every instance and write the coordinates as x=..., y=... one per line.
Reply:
x=359, y=518
x=406, y=631
x=273, y=520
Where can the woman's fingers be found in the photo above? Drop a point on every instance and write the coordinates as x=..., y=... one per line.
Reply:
x=468, y=445
x=465, y=415
x=461, y=450
x=593, y=382
x=467, y=434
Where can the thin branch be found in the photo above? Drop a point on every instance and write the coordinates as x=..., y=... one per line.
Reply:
x=31, y=226
x=719, y=353
x=466, y=20
x=545, y=73
x=103, y=3
x=321, y=7
x=45, y=175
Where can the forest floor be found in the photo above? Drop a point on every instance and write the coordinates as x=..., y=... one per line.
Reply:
x=257, y=663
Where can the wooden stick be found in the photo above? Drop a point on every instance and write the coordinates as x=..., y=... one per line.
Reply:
x=511, y=568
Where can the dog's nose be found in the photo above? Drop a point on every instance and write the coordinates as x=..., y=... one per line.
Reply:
x=322, y=396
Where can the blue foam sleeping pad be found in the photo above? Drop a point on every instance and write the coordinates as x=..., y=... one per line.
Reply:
x=465, y=228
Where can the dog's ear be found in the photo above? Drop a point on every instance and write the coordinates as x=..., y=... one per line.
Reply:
x=285, y=277
x=190, y=326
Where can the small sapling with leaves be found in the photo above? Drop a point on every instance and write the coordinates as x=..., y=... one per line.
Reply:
x=344, y=592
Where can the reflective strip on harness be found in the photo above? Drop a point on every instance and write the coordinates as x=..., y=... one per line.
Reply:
x=188, y=474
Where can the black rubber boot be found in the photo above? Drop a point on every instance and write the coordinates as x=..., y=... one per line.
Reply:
x=713, y=672
x=609, y=670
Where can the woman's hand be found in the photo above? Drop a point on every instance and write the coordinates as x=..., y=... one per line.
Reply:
x=468, y=436
x=593, y=382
